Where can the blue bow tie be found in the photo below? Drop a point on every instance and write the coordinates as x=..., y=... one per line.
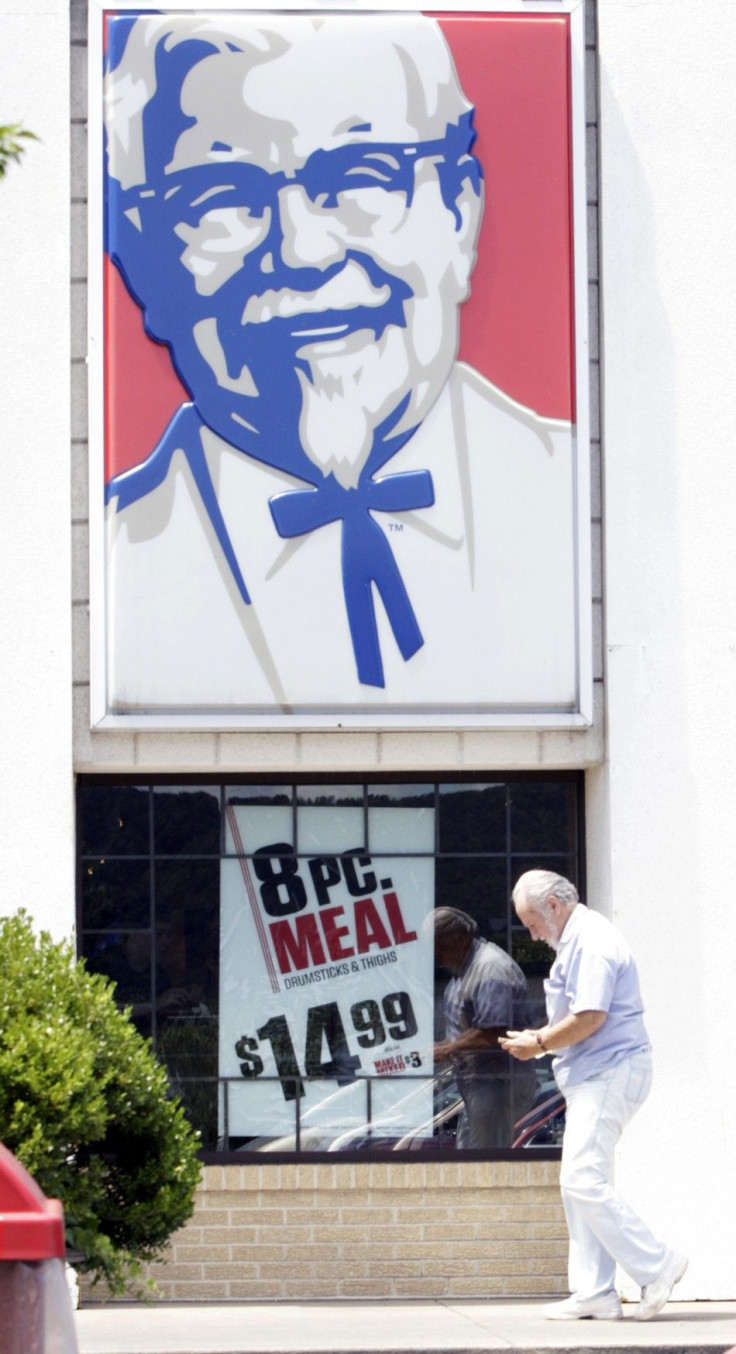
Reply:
x=367, y=557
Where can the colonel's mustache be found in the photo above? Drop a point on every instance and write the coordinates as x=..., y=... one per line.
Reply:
x=349, y=289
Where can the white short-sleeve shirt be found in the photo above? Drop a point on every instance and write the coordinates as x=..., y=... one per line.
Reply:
x=594, y=971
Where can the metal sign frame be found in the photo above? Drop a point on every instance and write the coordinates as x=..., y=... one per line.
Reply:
x=580, y=714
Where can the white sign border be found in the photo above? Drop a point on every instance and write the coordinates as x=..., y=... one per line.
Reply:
x=219, y=721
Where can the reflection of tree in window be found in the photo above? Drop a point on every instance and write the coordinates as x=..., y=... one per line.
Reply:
x=235, y=800
x=542, y=817
x=329, y=801
x=472, y=818
x=478, y=887
x=379, y=801
x=114, y=820
x=530, y=954
x=115, y=893
x=189, y=1049
x=187, y=822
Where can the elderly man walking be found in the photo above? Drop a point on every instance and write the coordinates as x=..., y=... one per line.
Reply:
x=603, y=1065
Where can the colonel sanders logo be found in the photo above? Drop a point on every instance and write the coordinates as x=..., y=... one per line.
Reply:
x=294, y=203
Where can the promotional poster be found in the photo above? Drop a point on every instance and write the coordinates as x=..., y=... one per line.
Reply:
x=345, y=428
x=326, y=975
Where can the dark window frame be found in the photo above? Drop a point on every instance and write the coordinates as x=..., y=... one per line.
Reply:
x=293, y=781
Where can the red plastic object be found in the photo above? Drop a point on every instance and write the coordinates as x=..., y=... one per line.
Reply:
x=31, y=1226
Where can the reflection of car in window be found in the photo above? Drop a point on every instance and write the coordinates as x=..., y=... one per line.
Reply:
x=544, y=1123
x=334, y=1126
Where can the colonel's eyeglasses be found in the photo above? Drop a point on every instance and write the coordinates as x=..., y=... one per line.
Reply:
x=389, y=166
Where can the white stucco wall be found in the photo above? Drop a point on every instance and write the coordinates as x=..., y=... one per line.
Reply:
x=36, y=789
x=662, y=811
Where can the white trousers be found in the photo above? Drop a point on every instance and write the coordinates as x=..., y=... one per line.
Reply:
x=603, y=1229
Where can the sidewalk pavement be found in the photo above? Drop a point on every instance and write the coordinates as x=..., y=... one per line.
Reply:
x=391, y=1327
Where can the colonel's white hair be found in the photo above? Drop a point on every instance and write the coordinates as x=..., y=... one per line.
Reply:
x=434, y=97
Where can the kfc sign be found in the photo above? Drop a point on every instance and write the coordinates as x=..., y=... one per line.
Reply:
x=344, y=433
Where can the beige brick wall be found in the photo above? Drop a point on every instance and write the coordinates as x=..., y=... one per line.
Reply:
x=373, y=1230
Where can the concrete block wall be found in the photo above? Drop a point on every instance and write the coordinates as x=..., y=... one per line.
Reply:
x=372, y=1230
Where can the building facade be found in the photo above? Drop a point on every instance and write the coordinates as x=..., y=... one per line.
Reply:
x=128, y=831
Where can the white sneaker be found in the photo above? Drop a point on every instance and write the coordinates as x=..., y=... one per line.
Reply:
x=606, y=1307
x=657, y=1293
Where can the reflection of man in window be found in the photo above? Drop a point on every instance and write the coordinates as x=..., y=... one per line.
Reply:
x=343, y=510
x=486, y=991
x=126, y=961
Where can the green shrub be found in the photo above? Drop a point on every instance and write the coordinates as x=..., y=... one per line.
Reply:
x=87, y=1109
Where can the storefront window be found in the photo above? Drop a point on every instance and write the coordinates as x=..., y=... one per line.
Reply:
x=275, y=942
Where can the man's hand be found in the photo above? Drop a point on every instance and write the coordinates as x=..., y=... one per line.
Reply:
x=521, y=1044
x=443, y=1051
x=471, y=1041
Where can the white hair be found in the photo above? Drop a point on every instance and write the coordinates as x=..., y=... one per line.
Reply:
x=435, y=99
x=536, y=887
